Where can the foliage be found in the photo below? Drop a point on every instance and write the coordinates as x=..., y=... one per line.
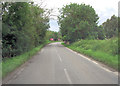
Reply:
x=105, y=51
x=77, y=22
x=100, y=32
x=10, y=64
x=111, y=27
x=24, y=27
x=52, y=34
x=109, y=46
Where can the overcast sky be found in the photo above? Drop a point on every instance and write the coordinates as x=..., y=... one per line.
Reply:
x=104, y=8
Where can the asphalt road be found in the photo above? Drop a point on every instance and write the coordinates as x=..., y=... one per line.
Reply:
x=55, y=64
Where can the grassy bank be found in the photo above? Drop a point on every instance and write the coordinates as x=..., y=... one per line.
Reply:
x=105, y=51
x=8, y=65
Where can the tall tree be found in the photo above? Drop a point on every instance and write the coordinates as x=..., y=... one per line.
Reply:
x=77, y=22
x=24, y=27
x=111, y=27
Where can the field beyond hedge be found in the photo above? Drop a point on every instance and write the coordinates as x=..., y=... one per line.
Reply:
x=105, y=51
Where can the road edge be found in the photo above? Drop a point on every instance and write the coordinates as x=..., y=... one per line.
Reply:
x=100, y=64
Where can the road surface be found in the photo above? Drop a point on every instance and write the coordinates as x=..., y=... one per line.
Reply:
x=55, y=64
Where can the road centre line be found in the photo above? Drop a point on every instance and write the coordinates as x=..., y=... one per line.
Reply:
x=68, y=77
x=65, y=70
x=58, y=55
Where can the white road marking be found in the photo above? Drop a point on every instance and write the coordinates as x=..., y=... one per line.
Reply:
x=58, y=54
x=105, y=69
x=68, y=77
x=82, y=56
x=59, y=57
x=116, y=73
x=95, y=62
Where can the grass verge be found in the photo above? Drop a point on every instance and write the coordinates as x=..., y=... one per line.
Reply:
x=10, y=64
x=98, y=54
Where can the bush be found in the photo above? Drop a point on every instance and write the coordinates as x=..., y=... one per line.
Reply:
x=24, y=27
x=109, y=46
x=105, y=51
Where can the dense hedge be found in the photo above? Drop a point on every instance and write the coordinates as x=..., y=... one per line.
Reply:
x=23, y=27
x=109, y=46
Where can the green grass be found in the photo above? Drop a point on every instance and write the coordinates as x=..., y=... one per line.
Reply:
x=10, y=64
x=105, y=51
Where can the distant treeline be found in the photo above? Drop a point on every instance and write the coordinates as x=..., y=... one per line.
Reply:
x=52, y=34
x=24, y=26
x=81, y=22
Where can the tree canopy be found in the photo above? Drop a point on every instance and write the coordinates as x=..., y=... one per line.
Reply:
x=23, y=27
x=53, y=34
x=111, y=27
x=77, y=22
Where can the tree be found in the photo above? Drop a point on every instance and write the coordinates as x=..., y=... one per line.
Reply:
x=52, y=34
x=111, y=27
x=24, y=27
x=100, y=32
x=77, y=22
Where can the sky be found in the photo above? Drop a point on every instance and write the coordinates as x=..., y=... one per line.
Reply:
x=104, y=8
